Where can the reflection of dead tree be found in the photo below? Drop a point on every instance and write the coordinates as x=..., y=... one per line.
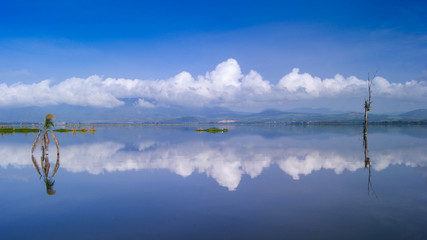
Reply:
x=368, y=166
x=43, y=171
x=36, y=165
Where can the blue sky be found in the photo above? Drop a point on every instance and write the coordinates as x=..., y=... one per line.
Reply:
x=140, y=49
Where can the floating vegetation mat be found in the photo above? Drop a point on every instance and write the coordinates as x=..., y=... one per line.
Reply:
x=212, y=130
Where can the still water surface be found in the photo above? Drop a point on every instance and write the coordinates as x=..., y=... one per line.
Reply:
x=253, y=182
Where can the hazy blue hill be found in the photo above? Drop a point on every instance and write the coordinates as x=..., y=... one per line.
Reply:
x=316, y=110
x=186, y=120
x=131, y=113
x=419, y=113
x=270, y=113
x=272, y=116
x=293, y=117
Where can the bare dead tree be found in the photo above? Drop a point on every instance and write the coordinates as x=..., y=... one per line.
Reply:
x=368, y=103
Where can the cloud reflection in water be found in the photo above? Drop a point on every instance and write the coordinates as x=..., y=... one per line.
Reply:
x=225, y=161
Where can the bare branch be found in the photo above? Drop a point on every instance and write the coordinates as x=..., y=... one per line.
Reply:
x=35, y=164
x=56, y=142
x=35, y=142
x=56, y=165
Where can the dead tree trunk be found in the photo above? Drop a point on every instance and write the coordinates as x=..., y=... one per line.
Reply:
x=367, y=106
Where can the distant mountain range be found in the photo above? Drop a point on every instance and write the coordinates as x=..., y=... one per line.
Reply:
x=275, y=116
x=420, y=113
x=130, y=113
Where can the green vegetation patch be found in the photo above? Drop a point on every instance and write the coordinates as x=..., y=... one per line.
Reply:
x=212, y=130
x=62, y=130
x=18, y=130
x=70, y=130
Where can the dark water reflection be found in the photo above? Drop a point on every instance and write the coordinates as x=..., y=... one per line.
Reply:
x=252, y=182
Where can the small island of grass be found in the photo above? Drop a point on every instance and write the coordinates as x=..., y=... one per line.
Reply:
x=65, y=130
x=74, y=130
x=212, y=130
x=18, y=130
x=10, y=130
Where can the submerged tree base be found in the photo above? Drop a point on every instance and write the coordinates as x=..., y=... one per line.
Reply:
x=212, y=130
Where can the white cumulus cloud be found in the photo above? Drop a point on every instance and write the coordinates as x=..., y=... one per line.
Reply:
x=225, y=86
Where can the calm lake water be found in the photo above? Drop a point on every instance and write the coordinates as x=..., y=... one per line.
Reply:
x=253, y=182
